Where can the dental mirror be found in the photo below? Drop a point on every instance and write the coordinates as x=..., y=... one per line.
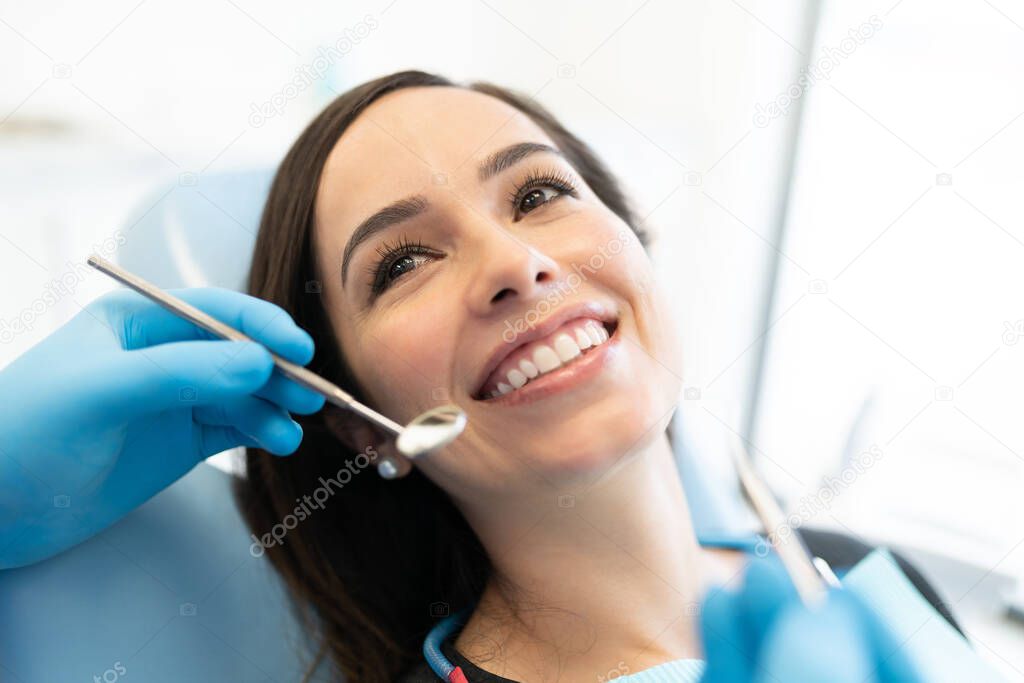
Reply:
x=433, y=429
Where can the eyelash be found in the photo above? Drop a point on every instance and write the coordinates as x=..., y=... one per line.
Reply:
x=536, y=179
x=390, y=255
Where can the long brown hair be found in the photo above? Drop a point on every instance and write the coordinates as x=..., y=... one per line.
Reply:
x=372, y=569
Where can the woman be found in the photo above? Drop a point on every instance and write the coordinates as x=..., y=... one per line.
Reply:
x=456, y=244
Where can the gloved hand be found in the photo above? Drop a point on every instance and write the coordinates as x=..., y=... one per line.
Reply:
x=764, y=633
x=125, y=399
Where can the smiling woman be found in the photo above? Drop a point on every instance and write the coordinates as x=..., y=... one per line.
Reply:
x=456, y=244
x=411, y=224
x=410, y=228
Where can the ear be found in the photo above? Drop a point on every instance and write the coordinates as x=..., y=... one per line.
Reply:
x=358, y=434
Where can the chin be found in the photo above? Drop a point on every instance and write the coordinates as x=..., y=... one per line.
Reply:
x=592, y=440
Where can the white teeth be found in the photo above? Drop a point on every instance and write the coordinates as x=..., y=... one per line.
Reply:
x=546, y=359
x=566, y=348
x=583, y=339
x=516, y=378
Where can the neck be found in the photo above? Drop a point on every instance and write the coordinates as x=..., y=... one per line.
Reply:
x=590, y=579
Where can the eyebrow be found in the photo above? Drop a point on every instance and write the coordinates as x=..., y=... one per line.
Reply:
x=415, y=205
x=392, y=214
x=510, y=156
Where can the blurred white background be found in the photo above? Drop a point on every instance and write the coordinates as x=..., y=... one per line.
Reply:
x=835, y=188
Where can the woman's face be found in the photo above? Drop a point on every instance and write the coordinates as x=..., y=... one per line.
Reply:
x=462, y=255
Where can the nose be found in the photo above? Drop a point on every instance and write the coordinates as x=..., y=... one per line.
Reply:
x=510, y=271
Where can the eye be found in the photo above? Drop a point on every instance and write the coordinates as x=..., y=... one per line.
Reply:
x=403, y=265
x=396, y=262
x=538, y=189
x=535, y=198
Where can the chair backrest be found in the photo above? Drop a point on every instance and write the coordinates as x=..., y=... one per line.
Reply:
x=173, y=592
x=198, y=232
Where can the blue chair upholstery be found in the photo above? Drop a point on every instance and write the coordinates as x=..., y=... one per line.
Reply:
x=199, y=232
x=170, y=593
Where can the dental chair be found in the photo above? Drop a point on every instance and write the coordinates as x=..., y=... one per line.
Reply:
x=171, y=592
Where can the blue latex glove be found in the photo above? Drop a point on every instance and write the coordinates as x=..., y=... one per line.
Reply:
x=764, y=633
x=125, y=399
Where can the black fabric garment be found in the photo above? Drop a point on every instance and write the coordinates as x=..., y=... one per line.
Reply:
x=839, y=550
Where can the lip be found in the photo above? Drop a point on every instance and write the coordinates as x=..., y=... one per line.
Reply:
x=579, y=370
x=588, y=309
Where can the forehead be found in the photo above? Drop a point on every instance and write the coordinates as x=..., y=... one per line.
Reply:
x=396, y=146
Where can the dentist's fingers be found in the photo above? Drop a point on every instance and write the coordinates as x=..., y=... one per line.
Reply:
x=145, y=323
x=767, y=588
x=265, y=422
x=215, y=439
x=828, y=644
x=727, y=650
x=168, y=376
x=289, y=395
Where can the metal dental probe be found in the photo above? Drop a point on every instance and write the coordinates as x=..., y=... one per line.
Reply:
x=429, y=431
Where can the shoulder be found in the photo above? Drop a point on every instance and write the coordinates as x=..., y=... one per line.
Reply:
x=842, y=551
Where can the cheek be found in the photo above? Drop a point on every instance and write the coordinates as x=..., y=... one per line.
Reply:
x=629, y=273
x=406, y=360
x=651, y=327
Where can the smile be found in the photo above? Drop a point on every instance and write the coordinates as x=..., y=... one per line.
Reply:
x=549, y=363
